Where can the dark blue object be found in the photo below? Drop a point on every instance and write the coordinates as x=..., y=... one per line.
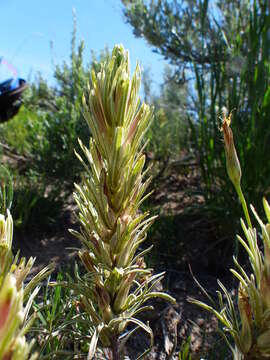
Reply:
x=11, y=89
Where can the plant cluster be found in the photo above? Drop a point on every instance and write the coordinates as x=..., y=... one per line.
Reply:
x=101, y=307
x=248, y=323
x=15, y=299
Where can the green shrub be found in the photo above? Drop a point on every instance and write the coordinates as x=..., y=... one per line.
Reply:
x=239, y=82
x=39, y=142
x=58, y=110
x=169, y=136
x=34, y=206
x=221, y=52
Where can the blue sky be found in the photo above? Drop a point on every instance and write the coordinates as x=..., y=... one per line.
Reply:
x=28, y=26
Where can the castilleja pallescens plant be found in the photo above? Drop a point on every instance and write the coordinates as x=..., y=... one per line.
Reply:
x=117, y=283
x=15, y=299
x=248, y=322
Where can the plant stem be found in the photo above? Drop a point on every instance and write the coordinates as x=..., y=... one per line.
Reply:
x=244, y=205
x=115, y=349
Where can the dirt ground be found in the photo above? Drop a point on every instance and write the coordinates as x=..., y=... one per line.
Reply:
x=183, y=240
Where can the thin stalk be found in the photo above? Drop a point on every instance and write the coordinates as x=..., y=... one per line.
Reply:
x=244, y=204
x=115, y=349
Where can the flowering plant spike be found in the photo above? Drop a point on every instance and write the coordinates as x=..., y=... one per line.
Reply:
x=117, y=283
x=15, y=300
x=248, y=323
x=12, y=312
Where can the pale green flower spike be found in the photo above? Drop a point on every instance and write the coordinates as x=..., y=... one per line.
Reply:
x=112, y=229
x=14, y=320
x=249, y=327
x=6, y=234
x=12, y=341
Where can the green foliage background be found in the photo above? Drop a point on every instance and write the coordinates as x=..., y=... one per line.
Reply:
x=220, y=50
